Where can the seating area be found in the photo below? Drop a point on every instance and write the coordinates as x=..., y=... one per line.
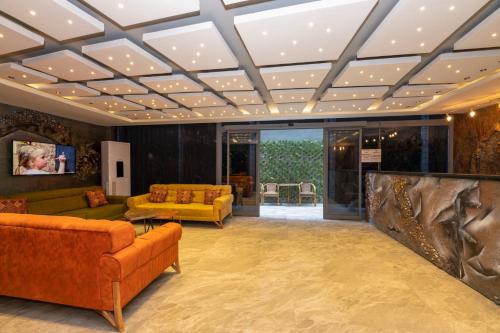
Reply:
x=311, y=165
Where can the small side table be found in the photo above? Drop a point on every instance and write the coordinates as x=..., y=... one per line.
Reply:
x=142, y=214
x=168, y=215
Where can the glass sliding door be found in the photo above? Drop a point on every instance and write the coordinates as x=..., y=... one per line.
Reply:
x=342, y=174
x=241, y=155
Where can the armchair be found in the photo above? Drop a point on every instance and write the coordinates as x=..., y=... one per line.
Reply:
x=271, y=190
x=307, y=190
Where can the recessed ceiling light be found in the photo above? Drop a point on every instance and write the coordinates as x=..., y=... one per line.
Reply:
x=457, y=71
x=70, y=22
x=1, y=35
x=311, y=24
x=174, y=47
x=307, y=83
x=381, y=80
x=428, y=79
x=419, y=29
x=422, y=8
x=24, y=76
x=128, y=69
x=121, y=6
x=294, y=42
x=264, y=33
x=71, y=70
x=422, y=44
x=151, y=67
x=104, y=88
x=219, y=60
x=449, y=66
x=202, y=45
x=328, y=30
x=32, y=12
x=354, y=95
x=372, y=95
x=494, y=34
x=407, y=92
x=127, y=55
x=282, y=53
x=398, y=69
x=292, y=79
x=393, y=41
x=92, y=73
x=320, y=49
x=451, y=8
x=371, y=76
x=110, y=58
x=346, y=82
x=131, y=63
x=198, y=54
x=50, y=68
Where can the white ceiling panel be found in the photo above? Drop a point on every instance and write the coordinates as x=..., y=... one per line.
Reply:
x=485, y=35
x=257, y=110
x=375, y=72
x=243, y=97
x=200, y=99
x=15, y=38
x=313, y=31
x=67, y=65
x=59, y=19
x=20, y=74
x=339, y=94
x=171, y=84
x=395, y=103
x=416, y=27
x=67, y=89
x=292, y=95
x=152, y=101
x=143, y=115
x=240, y=2
x=107, y=103
x=339, y=106
x=227, y=80
x=126, y=57
x=117, y=87
x=180, y=113
x=194, y=47
x=458, y=67
x=424, y=90
x=291, y=108
x=135, y=12
x=218, y=111
x=297, y=76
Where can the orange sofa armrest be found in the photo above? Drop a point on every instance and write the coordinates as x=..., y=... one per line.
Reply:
x=117, y=266
x=133, y=202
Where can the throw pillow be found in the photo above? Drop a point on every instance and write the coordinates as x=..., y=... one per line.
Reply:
x=158, y=196
x=210, y=196
x=17, y=206
x=183, y=197
x=96, y=198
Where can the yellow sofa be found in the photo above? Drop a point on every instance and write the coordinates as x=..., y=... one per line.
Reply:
x=194, y=211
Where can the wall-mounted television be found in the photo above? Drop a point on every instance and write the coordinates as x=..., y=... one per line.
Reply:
x=36, y=158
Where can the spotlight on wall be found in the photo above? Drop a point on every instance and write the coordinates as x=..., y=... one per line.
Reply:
x=472, y=113
x=449, y=118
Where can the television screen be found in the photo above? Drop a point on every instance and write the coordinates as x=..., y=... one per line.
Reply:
x=36, y=158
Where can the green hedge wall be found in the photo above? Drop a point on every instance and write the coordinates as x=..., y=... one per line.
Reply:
x=287, y=161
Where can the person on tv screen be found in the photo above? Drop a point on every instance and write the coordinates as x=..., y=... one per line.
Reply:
x=32, y=161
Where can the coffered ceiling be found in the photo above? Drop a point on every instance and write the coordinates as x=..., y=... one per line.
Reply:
x=133, y=62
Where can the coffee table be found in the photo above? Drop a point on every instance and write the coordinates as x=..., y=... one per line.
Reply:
x=165, y=214
x=146, y=215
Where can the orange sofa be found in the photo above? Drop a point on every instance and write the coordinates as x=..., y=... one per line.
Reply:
x=93, y=264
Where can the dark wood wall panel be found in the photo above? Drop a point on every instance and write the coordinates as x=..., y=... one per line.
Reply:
x=170, y=154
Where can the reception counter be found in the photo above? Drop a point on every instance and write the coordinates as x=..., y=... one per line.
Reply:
x=451, y=220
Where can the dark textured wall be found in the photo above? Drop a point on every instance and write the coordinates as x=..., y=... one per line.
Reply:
x=170, y=154
x=452, y=222
x=476, y=142
x=21, y=124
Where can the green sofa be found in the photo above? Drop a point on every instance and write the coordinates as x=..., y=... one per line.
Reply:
x=73, y=202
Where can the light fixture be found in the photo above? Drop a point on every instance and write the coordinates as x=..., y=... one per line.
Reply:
x=32, y=12
x=422, y=8
x=264, y=33
x=24, y=76
x=457, y=71
x=294, y=42
x=449, y=118
x=282, y=53
x=174, y=47
x=110, y=58
x=494, y=34
x=131, y=63
x=202, y=45
x=71, y=70
x=127, y=69
x=127, y=55
x=92, y=73
x=393, y=41
x=219, y=60
x=419, y=29
x=70, y=22
x=50, y=68
x=121, y=6
x=451, y=8
x=422, y=44
x=449, y=66
x=320, y=50
x=1, y=35
x=151, y=68
x=472, y=113
x=311, y=24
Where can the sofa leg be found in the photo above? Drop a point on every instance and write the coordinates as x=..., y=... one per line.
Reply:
x=176, y=266
x=116, y=320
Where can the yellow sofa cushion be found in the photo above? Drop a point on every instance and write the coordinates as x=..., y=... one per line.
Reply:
x=183, y=210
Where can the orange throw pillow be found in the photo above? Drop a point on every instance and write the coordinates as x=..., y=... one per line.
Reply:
x=17, y=206
x=183, y=197
x=158, y=196
x=210, y=196
x=96, y=198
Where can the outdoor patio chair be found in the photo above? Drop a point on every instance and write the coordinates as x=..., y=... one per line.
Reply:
x=271, y=190
x=307, y=190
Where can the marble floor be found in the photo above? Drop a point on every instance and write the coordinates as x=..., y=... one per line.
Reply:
x=292, y=212
x=283, y=276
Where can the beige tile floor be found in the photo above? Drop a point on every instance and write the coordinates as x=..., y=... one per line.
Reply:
x=258, y=275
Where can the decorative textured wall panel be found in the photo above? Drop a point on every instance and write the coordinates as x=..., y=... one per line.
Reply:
x=452, y=222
